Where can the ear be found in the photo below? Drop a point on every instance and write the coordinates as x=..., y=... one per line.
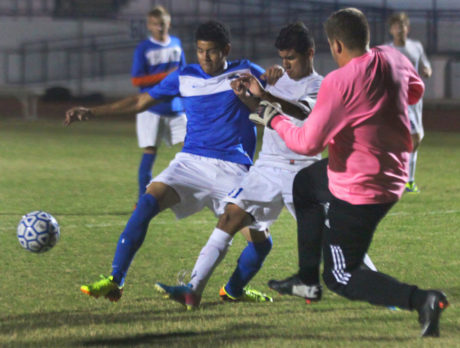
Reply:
x=338, y=46
x=226, y=50
x=310, y=53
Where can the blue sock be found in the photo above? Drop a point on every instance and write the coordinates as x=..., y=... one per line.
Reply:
x=145, y=171
x=249, y=263
x=132, y=237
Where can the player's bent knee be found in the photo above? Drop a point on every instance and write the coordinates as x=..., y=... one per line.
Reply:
x=152, y=150
x=164, y=194
x=233, y=219
x=416, y=140
x=256, y=236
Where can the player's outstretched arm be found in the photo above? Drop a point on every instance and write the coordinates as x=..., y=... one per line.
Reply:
x=265, y=113
x=130, y=105
x=298, y=110
x=241, y=91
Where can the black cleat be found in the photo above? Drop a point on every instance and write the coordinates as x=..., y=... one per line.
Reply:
x=429, y=314
x=295, y=287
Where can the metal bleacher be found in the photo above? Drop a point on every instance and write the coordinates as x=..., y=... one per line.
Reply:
x=254, y=25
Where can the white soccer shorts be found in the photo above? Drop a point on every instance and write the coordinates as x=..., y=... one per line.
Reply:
x=200, y=182
x=152, y=128
x=415, y=117
x=263, y=193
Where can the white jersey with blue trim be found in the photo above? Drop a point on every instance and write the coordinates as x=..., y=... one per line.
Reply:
x=218, y=123
x=274, y=150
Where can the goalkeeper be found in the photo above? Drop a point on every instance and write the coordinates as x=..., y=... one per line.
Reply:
x=361, y=115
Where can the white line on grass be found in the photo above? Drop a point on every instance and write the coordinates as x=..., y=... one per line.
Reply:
x=158, y=222
x=438, y=212
x=195, y=221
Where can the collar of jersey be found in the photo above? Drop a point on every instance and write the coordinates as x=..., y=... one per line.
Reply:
x=168, y=41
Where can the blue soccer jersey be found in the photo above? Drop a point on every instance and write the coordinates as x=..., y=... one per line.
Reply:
x=218, y=123
x=152, y=62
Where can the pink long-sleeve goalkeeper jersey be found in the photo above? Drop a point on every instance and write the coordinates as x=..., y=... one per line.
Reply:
x=361, y=114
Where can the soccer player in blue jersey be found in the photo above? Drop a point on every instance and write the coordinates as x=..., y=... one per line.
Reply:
x=153, y=60
x=218, y=148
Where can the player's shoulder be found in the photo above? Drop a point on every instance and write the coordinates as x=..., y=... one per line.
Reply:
x=143, y=44
x=175, y=40
x=193, y=69
x=238, y=64
x=414, y=42
x=243, y=64
x=314, y=78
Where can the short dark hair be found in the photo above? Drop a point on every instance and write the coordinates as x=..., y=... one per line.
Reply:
x=158, y=11
x=349, y=26
x=213, y=31
x=398, y=17
x=295, y=36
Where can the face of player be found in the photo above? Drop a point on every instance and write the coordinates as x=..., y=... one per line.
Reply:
x=399, y=31
x=159, y=27
x=297, y=65
x=211, y=56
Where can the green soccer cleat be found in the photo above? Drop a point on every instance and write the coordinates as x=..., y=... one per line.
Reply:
x=411, y=187
x=104, y=287
x=249, y=295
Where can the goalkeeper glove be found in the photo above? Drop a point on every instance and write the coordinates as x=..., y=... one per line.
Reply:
x=265, y=113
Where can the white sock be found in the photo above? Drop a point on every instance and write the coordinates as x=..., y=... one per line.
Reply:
x=368, y=262
x=210, y=256
x=412, y=164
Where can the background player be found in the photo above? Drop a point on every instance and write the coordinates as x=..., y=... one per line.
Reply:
x=217, y=152
x=399, y=29
x=153, y=60
x=361, y=115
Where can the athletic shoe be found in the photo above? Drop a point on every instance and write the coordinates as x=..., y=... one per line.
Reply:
x=411, y=187
x=104, y=287
x=249, y=295
x=430, y=312
x=180, y=293
x=296, y=287
x=394, y=308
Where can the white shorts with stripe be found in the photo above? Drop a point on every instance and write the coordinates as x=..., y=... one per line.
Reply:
x=415, y=117
x=264, y=192
x=152, y=128
x=200, y=182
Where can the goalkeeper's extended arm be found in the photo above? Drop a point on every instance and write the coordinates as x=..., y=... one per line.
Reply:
x=265, y=112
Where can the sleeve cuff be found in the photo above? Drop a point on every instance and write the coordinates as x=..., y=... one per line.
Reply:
x=276, y=120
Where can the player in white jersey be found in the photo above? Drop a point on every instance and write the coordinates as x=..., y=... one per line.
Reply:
x=155, y=58
x=267, y=188
x=412, y=49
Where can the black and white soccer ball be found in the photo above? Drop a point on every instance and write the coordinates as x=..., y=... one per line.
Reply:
x=38, y=231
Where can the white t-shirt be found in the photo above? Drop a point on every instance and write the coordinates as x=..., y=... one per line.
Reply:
x=413, y=50
x=274, y=150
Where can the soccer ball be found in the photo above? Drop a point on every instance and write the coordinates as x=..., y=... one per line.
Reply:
x=38, y=231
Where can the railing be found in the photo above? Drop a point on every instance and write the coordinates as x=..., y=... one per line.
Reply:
x=254, y=25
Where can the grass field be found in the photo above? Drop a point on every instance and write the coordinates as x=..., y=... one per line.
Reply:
x=86, y=177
